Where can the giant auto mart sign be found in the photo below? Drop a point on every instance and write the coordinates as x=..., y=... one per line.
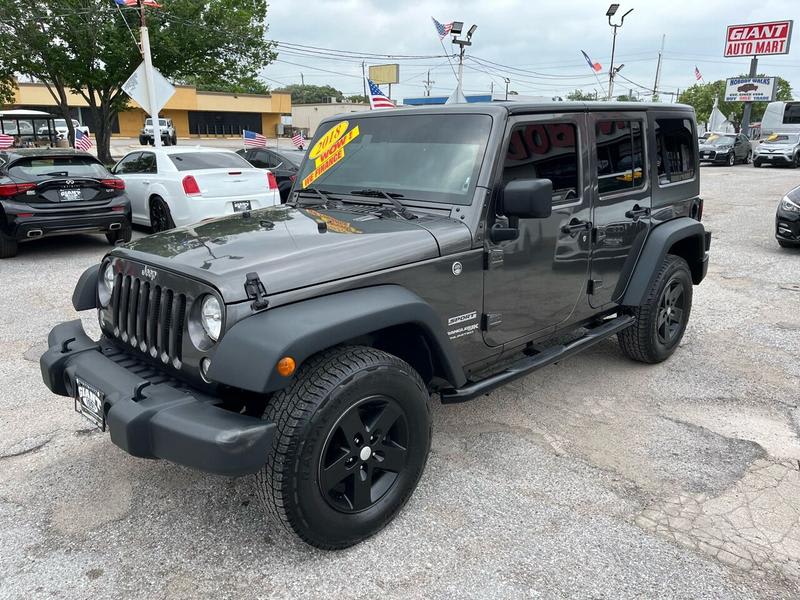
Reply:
x=756, y=39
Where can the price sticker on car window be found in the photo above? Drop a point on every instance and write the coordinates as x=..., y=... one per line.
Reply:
x=329, y=150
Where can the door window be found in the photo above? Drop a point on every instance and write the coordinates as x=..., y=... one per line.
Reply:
x=147, y=163
x=545, y=151
x=128, y=164
x=675, y=150
x=619, y=156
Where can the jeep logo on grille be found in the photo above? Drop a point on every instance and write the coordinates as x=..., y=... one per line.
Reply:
x=149, y=273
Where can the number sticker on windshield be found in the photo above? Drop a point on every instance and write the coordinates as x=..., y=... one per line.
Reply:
x=329, y=150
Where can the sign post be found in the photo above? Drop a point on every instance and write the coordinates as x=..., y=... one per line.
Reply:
x=757, y=39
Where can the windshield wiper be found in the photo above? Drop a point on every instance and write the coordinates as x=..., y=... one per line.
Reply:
x=391, y=197
x=321, y=194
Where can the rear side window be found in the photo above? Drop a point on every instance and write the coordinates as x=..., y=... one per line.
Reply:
x=545, y=151
x=63, y=166
x=197, y=161
x=619, y=156
x=791, y=115
x=675, y=150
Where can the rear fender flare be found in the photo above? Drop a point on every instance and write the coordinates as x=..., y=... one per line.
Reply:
x=661, y=239
x=249, y=352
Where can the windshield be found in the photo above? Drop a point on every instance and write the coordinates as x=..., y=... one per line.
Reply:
x=60, y=123
x=161, y=122
x=65, y=166
x=782, y=138
x=433, y=158
x=197, y=161
x=720, y=140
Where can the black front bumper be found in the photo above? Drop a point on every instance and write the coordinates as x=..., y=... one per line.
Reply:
x=787, y=226
x=719, y=158
x=165, y=420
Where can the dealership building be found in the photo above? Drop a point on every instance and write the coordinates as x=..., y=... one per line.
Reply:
x=194, y=112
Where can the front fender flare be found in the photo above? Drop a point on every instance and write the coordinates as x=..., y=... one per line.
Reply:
x=85, y=295
x=248, y=353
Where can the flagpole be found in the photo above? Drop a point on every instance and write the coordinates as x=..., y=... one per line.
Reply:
x=148, y=75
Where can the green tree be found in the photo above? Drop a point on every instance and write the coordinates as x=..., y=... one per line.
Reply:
x=86, y=46
x=8, y=87
x=581, y=96
x=311, y=94
x=701, y=97
x=248, y=85
x=358, y=99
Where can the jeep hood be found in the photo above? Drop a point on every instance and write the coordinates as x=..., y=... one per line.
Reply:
x=291, y=248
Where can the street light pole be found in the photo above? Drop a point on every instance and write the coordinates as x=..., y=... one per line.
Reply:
x=610, y=13
x=458, y=95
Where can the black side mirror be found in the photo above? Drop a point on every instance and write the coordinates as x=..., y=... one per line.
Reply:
x=528, y=198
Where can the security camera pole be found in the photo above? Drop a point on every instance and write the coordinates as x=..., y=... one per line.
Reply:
x=148, y=74
x=458, y=95
x=612, y=10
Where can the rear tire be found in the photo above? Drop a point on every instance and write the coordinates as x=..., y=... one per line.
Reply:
x=122, y=235
x=757, y=163
x=8, y=246
x=661, y=319
x=353, y=436
x=160, y=215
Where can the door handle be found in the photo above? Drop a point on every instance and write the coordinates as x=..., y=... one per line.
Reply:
x=146, y=181
x=576, y=225
x=637, y=211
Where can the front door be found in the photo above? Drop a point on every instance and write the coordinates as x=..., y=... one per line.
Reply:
x=621, y=207
x=532, y=283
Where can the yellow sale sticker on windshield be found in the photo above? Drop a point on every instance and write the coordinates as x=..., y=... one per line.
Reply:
x=713, y=137
x=329, y=139
x=773, y=137
x=338, y=145
x=329, y=162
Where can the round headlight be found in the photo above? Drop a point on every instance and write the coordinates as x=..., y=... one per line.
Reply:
x=211, y=317
x=106, y=285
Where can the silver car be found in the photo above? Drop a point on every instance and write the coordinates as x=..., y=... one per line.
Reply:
x=778, y=149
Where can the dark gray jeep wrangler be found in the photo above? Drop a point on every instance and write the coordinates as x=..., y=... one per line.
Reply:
x=425, y=251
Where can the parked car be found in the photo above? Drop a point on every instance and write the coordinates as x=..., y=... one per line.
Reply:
x=182, y=185
x=61, y=129
x=787, y=220
x=747, y=87
x=303, y=343
x=59, y=192
x=283, y=164
x=781, y=117
x=726, y=149
x=778, y=149
x=167, y=130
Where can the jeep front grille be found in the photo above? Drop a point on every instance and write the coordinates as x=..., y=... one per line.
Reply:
x=149, y=317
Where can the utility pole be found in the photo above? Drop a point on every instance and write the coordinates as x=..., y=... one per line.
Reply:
x=507, y=80
x=611, y=72
x=148, y=74
x=748, y=106
x=302, y=79
x=364, y=78
x=428, y=84
x=658, y=69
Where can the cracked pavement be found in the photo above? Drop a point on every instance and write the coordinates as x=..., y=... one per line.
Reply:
x=593, y=478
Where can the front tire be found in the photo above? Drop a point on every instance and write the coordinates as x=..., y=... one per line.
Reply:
x=353, y=436
x=757, y=163
x=731, y=159
x=661, y=319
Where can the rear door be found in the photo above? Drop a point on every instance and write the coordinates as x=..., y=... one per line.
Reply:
x=621, y=199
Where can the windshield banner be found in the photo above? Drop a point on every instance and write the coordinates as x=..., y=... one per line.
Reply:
x=329, y=150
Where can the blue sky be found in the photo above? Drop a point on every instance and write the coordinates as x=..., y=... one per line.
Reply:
x=539, y=41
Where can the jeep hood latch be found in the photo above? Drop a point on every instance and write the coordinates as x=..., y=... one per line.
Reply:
x=256, y=291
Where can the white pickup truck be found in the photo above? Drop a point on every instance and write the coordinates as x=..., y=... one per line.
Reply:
x=61, y=128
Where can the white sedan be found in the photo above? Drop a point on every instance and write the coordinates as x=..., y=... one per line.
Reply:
x=177, y=186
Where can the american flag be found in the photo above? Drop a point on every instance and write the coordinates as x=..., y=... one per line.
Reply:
x=376, y=97
x=151, y=3
x=253, y=139
x=82, y=141
x=697, y=74
x=442, y=28
x=297, y=140
x=6, y=141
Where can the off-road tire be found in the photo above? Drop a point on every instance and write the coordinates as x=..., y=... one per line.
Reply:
x=8, y=246
x=308, y=414
x=120, y=236
x=640, y=341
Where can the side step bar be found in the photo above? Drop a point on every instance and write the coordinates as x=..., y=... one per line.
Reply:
x=537, y=361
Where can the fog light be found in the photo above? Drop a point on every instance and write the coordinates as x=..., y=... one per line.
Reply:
x=286, y=366
x=205, y=365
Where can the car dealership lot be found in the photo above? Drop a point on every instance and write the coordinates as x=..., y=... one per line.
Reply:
x=595, y=477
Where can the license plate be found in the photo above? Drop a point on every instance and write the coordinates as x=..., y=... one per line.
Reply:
x=70, y=195
x=241, y=205
x=89, y=403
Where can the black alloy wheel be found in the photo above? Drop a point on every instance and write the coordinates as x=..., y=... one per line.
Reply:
x=160, y=216
x=669, y=317
x=365, y=452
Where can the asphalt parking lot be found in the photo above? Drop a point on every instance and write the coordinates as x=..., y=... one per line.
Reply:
x=596, y=477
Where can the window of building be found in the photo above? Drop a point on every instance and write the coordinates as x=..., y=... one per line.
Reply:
x=545, y=151
x=619, y=156
x=675, y=150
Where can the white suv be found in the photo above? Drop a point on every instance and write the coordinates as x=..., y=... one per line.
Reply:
x=168, y=135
